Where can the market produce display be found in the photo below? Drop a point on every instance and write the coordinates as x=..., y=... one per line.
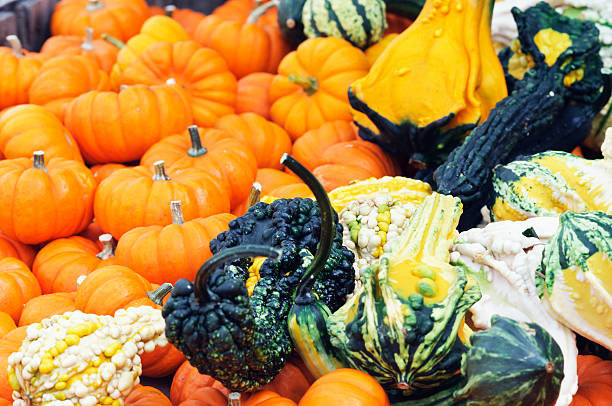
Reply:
x=307, y=203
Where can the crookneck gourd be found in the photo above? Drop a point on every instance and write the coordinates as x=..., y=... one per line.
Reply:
x=84, y=359
x=427, y=89
x=551, y=183
x=238, y=337
x=551, y=106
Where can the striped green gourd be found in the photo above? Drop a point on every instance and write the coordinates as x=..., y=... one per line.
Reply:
x=361, y=22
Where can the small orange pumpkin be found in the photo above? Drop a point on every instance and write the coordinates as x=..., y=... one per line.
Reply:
x=268, y=398
x=15, y=249
x=19, y=68
x=63, y=78
x=345, y=387
x=309, y=148
x=188, y=383
x=17, y=286
x=312, y=83
x=48, y=201
x=101, y=172
x=45, y=306
x=594, y=381
x=9, y=344
x=162, y=361
x=253, y=95
x=146, y=396
x=188, y=19
x=147, y=192
x=6, y=323
x=291, y=382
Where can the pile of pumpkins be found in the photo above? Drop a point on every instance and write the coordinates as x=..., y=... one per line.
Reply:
x=133, y=138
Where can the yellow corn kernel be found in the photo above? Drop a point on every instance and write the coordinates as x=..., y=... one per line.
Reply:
x=383, y=226
x=60, y=396
x=116, y=402
x=54, y=353
x=91, y=371
x=12, y=378
x=79, y=329
x=97, y=362
x=64, y=377
x=107, y=400
x=112, y=349
x=72, y=339
x=46, y=366
x=61, y=346
x=60, y=385
x=378, y=252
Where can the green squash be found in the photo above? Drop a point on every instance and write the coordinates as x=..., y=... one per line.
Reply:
x=575, y=276
x=405, y=8
x=511, y=364
x=289, y=18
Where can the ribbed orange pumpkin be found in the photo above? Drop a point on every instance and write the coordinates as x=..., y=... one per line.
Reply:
x=9, y=344
x=146, y=396
x=188, y=382
x=188, y=19
x=96, y=50
x=17, y=286
x=594, y=381
x=18, y=71
x=309, y=148
x=45, y=306
x=312, y=84
x=268, y=398
x=291, y=191
x=253, y=94
x=110, y=288
x=345, y=387
x=6, y=323
x=15, y=249
x=120, y=127
x=162, y=361
x=59, y=264
x=5, y=402
x=62, y=78
x=168, y=253
x=27, y=128
x=216, y=152
x=101, y=172
x=291, y=382
x=201, y=71
x=120, y=18
x=141, y=196
x=268, y=140
x=247, y=47
x=48, y=201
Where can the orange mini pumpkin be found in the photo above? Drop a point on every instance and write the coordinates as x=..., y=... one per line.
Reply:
x=188, y=383
x=146, y=396
x=309, y=148
x=268, y=140
x=15, y=249
x=18, y=71
x=162, y=361
x=168, y=253
x=141, y=196
x=120, y=127
x=101, y=172
x=9, y=344
x=200, y=71
x=45, y=306
x=48, y=201
x=188, y=19
x=120, y=18
x=312, y=84
x=6, y=323
x=17, y=286
x=216, y=152
x=96, y=50
x=253, y=94
x=594, y=381
x=63, y=78
x=268, y=398
x=345, y=387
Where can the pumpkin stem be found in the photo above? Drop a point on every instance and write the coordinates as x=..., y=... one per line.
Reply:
x=196, y=149
x=550, y=368
x=15, y=44
x=261, y=10
x=304, y=291
x=108, y=248
x=113, y=41
x=159, y=171
x=177, y=213
x=233, y=399
x=169, y=10
x=229, y=255
x=94, y=5
x=254, y=195
x=87, y=45
x=308, y=83
x=38, y=162
x=158, y=295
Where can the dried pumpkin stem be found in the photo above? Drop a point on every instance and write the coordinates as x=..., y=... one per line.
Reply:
x=159, y=171
x=113, y=41
x=196, y=149
x=94, y=5
x=177, y=213
x=158, y=295
x=304, y=292
x=261, y=10
x=233, y=399
x=308, y=83
x=108, y=247
x=38, y=162
x=169, y=10
x=15, y=44
x=225, y=256
x=87, y=45
x=254, y=195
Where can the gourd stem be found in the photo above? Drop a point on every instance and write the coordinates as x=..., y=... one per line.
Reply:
x=196, y=149
x=233, y=399
x=87, y=45
x=254, y=195
x=229, y=255
x=327, y=226
x=308, y=83
x=158, y=295
x=38, y=162
x=113, y=41
x=159, y=171
x=94, y=5
x=169, y=10
x=15, y=44
x=177, y=213
x=108, y=248
x=261, y=10
x=550, y=368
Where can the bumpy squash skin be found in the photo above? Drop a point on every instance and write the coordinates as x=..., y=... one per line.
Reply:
x=526, y=121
